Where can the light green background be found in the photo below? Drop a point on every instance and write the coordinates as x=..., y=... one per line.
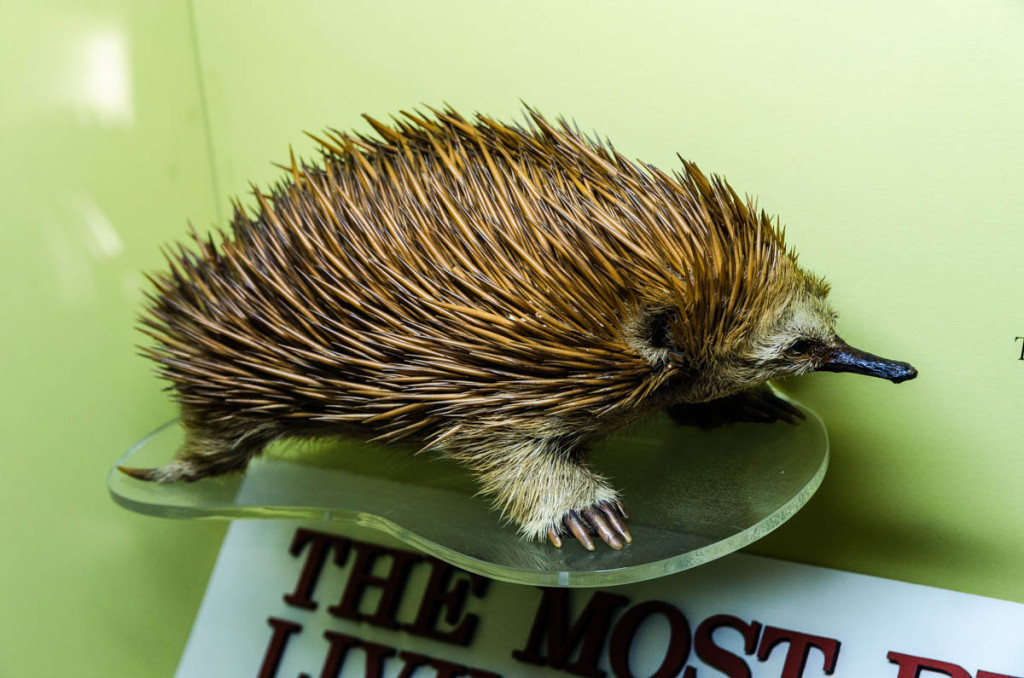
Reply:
x=890, y=139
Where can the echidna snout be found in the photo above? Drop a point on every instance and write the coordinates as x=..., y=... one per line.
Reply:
x=841, y=357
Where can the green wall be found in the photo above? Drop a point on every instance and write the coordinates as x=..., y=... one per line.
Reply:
x=104, y=159
x=889, y=138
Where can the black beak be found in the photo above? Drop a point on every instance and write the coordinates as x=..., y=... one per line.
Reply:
x=844, y=358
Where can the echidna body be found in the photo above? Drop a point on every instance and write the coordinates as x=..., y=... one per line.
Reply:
x=503, y=295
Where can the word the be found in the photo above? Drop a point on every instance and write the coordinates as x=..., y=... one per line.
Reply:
x=440, y=614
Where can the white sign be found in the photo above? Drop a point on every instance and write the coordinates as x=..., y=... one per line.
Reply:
x=294, y=600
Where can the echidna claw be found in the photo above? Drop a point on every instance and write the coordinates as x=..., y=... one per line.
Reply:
x=612, y=512
x=604, y=519
x=575, y=525
x=758, y=406
x=773, y=408
x=596, y=519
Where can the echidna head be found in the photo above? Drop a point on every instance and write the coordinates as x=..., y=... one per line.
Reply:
x=794, y=334
x=802, y=338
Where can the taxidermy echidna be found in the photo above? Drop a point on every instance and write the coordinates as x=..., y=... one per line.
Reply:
x=503, y=295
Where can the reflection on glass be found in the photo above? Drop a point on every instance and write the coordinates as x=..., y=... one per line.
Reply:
x=102, y=73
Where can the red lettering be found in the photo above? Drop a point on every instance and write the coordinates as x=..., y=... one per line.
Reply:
x=441, y=596
x=800, y=645
x=676, y=653
x=911, y=666
x=375, y=656
x=588, y=633
x=282, y=632
x=479, y=673
x=443, y=669
x=412, y=661
x=718, y=657
x=361, y=577
x=336, y=654
x=320, y=547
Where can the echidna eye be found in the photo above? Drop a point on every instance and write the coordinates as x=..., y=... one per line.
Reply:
x=799, y=347
x=659, y=329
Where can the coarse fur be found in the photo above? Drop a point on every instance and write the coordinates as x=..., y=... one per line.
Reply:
x=500, y=294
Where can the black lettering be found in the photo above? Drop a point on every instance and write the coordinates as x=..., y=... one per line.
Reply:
x=1021, y=340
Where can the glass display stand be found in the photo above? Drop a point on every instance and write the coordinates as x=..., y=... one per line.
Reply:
x=692, y=496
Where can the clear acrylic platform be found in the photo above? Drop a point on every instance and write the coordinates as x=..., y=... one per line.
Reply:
x=692, y=496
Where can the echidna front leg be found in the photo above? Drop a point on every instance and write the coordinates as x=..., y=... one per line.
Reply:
x=547, y=488
x=757, y=405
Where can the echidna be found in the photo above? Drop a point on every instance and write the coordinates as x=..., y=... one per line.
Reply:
x=499, y=294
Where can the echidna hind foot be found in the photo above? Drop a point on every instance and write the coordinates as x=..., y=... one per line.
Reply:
x=169, y=473
x=204, y=455
x=548, y=490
